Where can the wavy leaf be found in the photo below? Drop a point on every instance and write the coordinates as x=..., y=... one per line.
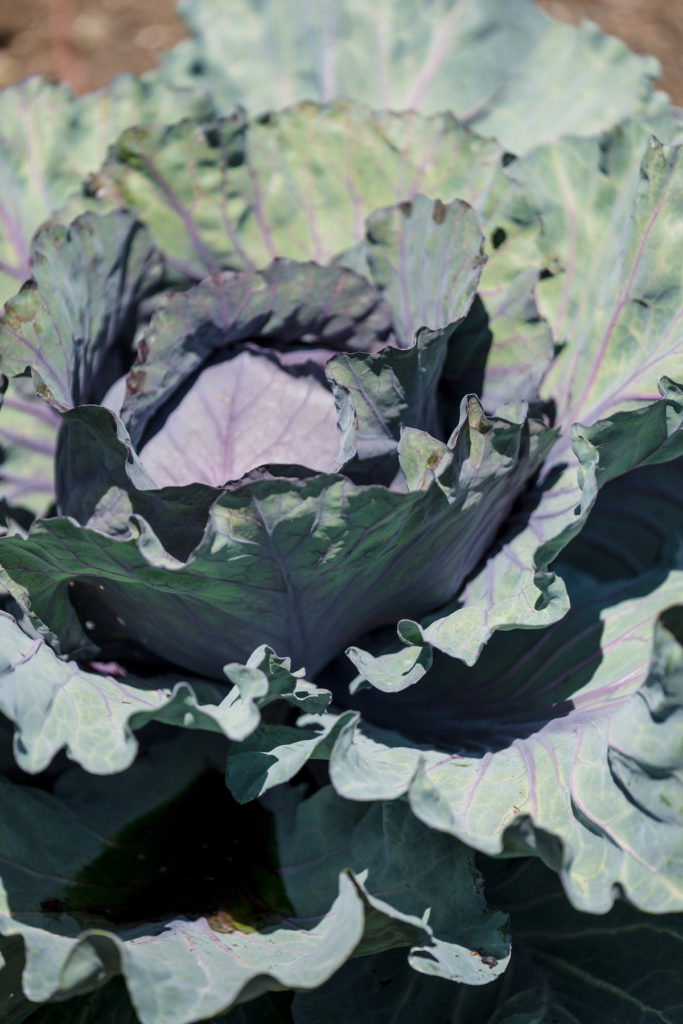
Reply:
x=92, y=712
x=277, y=554
x=263, y=924
x=562, y=744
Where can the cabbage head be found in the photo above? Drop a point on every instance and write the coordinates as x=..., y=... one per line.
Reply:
x=342, y=493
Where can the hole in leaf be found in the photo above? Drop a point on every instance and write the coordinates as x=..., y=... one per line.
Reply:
x=498, y=237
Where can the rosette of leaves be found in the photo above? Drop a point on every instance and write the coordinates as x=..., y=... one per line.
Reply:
x=318, y=406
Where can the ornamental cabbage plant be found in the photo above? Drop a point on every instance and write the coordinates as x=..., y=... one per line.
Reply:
x=341, y=553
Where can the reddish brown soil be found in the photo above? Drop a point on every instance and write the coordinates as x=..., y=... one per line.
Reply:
x=648, y=26
x=84, y=42
x=87, y=42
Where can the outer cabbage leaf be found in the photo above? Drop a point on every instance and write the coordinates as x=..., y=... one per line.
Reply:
x=28, y=440
x=51, y=141
x=482, y=60
x=192, y=939
x=72, y=324
x=382, y=842
x=236, y=194
x=72, y=327
x=612, y=228
x=92, y=713
x=618, y=353
x=565, y=745
x=566, y=967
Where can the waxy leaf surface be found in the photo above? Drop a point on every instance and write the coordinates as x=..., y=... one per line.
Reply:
x=477, y=58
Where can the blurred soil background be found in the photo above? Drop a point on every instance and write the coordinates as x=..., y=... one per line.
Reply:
x=87, y=42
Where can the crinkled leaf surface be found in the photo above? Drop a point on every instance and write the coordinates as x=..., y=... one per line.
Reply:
x=51, y=141
x=92, y=713
x=566, y=967
x=484, y=61
x=72, y=324
x=278, y=555
x=132, y=880
x=564, y=743
x=298, y=183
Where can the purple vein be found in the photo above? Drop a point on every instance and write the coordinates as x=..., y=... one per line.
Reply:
x=625, y=296
x=439, y=48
